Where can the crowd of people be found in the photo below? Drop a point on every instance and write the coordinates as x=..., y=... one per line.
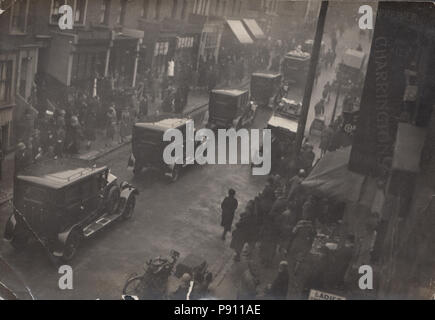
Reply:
x=281, y=223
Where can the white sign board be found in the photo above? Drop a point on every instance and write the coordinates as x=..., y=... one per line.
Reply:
x=320, y=295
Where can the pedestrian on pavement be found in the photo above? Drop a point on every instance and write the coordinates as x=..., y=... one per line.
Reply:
x=228, y=206
x=277, y=290
x=111, y=124
x=269, y=237
x=20, y=157
x=143, y=106
x=326, y=91
x=124, y=126
x=247, y=289
x=325, y=139
x=243, y=230
x=294, y=184
x=319, y=108
x=303, y=236
x=307, y=158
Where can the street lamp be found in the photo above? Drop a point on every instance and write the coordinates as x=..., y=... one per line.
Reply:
x=315, y=53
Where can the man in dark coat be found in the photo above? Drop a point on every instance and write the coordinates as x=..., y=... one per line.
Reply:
x=228, y=206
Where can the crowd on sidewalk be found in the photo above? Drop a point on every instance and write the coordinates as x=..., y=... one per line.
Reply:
x=281, y=227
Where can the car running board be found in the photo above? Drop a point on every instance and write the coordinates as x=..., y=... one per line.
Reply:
x=99, y=224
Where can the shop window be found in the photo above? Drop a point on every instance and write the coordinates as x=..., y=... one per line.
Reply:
x=19, y=16
x=78, y=6
x=105, y=12
x=5, y=81
x=86, y=64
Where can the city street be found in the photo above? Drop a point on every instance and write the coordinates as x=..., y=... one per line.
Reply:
x=184, y=216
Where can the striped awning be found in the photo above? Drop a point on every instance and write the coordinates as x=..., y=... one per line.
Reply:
x=240, y=31
x=254, y=29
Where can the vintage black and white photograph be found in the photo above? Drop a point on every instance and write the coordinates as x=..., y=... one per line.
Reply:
x=217, y=150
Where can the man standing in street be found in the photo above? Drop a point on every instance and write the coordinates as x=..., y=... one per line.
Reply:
x=228, y=206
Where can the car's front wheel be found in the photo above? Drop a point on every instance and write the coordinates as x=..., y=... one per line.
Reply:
x=129, y=208
x=72, y=243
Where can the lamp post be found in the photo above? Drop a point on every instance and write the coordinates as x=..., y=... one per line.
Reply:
x=310, y=78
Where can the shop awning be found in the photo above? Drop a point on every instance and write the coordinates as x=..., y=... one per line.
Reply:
x=407, y=150
x=254, y=29
x=240, y=32
x=332, y=178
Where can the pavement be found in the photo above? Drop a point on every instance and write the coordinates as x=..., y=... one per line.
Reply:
x=196, y=107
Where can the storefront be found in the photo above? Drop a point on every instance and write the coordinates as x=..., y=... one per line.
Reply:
x=124, y=55
x=235, y=38
x=80, y=58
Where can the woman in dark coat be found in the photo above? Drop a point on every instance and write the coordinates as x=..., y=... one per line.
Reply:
x=228, y=206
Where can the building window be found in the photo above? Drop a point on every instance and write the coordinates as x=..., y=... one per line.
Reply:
x=122, y=12
x=160, y=56
x=5, y=81
x=105, y=11
x=174, y=8
x=19, y=16
x=216, y=9
x=145, y=8
x=240, y=8
x=158, y=8
x=184, y=9
x=78, y=6
x=23, y=75
x=233, y=11
x=79, y=11
x=224, y=8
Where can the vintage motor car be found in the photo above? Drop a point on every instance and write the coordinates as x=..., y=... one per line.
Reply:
x=61, y=202
x=295, y=66
x=230, y=109
x=307, y=46
x=283, y=132
x=289, y=109
x=264, y=87
x=148, y=147
x=349, y=71
x=283, y=129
